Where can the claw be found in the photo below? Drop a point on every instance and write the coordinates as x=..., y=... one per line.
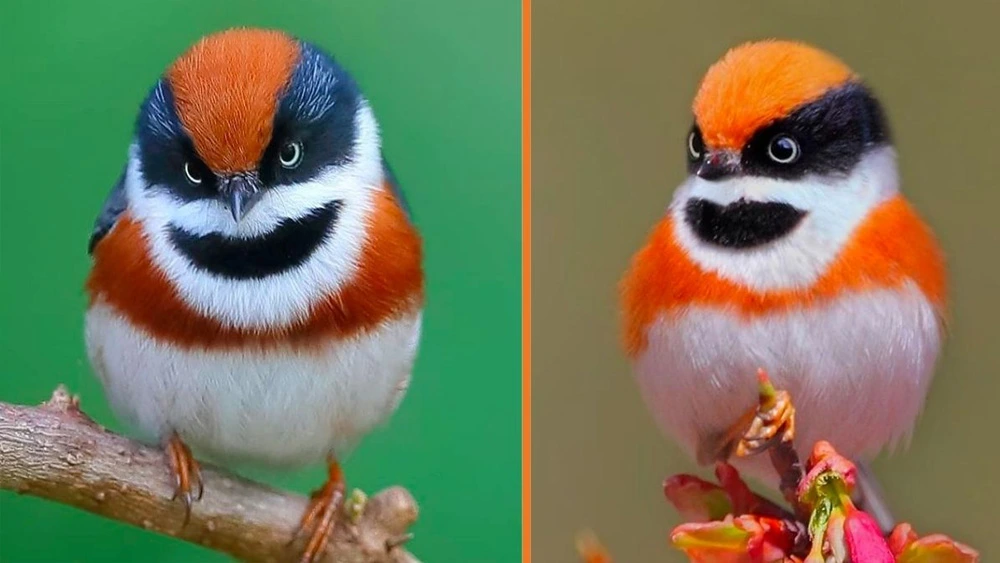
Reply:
x=770, y=422
x=186, y=473
x=320, y=517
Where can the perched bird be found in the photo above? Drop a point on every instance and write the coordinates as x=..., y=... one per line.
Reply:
x=789, y=247
x=257, y=286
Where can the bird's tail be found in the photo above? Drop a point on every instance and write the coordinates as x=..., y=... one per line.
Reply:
x=872, y=498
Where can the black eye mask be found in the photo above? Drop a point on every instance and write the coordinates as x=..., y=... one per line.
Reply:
x=833, y=133
x=741, y=224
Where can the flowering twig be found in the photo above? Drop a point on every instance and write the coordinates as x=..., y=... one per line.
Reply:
x=728, y=523
x=783, y=456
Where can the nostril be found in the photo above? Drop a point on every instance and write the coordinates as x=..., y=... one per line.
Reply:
x=717, y=165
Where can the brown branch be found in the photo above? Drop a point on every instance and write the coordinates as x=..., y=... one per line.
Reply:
x=56, y=452
x=787, y=465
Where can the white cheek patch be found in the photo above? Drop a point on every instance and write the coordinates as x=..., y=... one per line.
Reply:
x=281, y=299
x=834, y=206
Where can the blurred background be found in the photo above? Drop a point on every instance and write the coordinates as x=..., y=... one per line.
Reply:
x=444, y=79
x=612, y=88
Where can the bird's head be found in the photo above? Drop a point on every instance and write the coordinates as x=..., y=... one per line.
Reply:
x=249, y=127
x=788, y=152
x=256, y=180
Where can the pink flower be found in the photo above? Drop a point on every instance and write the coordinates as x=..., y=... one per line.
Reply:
x=729, y=523
x=740, y=539
x=864, y=539
x=936, y=548
x=825, y=463
x=698, y=500
x=695, y=499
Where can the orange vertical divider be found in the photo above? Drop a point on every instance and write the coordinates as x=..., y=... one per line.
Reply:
x=526, y=281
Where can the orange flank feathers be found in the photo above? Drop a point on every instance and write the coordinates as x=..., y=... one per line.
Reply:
x=757, y=83
x=389, y=282
x=226, y=89
x=891, y=247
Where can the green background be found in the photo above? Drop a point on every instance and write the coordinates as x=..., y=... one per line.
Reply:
x=444, y=79
x=612, y=88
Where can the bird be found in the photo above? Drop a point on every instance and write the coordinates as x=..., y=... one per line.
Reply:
x=788, y=248
x=256, y=289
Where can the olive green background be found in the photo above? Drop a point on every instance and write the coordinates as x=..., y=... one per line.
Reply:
x=612, y=87
x=444, y=79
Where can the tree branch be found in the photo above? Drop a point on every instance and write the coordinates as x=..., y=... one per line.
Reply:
x=57, y=452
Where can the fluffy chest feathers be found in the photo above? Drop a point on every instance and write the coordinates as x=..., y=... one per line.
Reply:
x=857, y=366
x=365, y=273
x=889, y=249
x=856, y=348
x=277, y=369
x=280, y=407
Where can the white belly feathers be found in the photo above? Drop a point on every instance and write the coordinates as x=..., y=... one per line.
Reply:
x=276, y=408
x=858, y=369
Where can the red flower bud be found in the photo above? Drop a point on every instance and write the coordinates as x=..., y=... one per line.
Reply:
x=864, y=539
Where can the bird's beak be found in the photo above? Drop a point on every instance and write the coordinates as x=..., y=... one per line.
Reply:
x=718, y=165
x=240, y=193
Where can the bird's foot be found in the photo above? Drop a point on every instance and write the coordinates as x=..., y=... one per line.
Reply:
x=320, y=517
x=770, y=422
x=186, y=472
x=773, y=421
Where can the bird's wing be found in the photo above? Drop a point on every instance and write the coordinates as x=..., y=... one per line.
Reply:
x=114, y=206
x=394, y=186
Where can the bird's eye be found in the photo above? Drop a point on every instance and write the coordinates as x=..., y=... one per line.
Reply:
x=192, y=174
x=291, y=154
x=695, y=146
x=783, y=149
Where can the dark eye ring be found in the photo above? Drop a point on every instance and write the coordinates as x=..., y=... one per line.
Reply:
x=193, y=177
x=696, y=147
x=290, y=155
x=783, y=149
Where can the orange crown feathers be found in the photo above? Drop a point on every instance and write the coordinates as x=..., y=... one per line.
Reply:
x=759, y=82
x=226, y=89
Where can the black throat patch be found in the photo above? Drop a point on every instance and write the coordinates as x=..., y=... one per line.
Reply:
x=741, y=224
x=287, y=246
